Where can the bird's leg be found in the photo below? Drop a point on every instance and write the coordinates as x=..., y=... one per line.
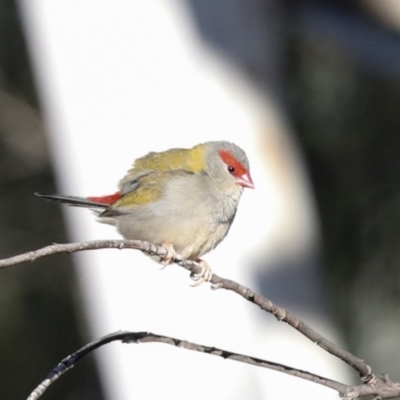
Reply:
x=205, y=275
x=169, y=256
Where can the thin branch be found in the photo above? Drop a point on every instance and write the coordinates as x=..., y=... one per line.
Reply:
x=75, y=247
x=147, y=337
x=373, y=384
x=280, y=313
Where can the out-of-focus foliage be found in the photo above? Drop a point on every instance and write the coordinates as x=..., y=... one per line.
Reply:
x=39, y=303
x=15, y=73
x=346, y=115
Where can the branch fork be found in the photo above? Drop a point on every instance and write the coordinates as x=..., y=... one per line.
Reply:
x=380, y=386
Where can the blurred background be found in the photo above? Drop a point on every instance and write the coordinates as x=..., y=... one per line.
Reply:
x=311, y=90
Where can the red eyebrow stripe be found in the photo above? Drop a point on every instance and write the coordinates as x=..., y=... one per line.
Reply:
x=228, y=159
x=106, y=199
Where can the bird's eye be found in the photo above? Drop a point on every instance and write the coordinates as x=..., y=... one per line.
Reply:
x=231, y=169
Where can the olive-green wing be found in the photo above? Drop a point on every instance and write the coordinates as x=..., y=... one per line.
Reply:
x=191, y=160
x=148, y=189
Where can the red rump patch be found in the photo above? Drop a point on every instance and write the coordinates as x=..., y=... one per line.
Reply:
x=231, y=161
x=106, y=199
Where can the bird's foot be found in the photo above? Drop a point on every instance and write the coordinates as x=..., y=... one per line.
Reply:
x=169, y=256
x=205, y=275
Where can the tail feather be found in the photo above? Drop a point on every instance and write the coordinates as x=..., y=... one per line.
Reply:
x=73, y=200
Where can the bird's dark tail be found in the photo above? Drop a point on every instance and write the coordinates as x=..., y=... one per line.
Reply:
x=73, y=201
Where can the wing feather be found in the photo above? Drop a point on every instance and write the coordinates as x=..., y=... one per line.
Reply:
x=147, y=189
x=191, y=160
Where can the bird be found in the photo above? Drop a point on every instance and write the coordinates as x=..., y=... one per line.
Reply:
x=182, y=199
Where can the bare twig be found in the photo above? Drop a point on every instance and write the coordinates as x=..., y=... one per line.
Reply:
x=147, y=337
x=92, y=245
x=280, y=313
x=382, y=387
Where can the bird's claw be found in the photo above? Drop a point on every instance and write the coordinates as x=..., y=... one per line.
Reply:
x=205, y=275
x=169, y=256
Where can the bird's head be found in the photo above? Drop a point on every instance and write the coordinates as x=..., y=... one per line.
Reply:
x=228, y=166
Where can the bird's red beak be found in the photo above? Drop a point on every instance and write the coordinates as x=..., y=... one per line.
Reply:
x=245, y=181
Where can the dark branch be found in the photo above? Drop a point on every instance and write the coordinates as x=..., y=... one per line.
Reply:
x=147, y=337
x=372, y=384
x=280, y=313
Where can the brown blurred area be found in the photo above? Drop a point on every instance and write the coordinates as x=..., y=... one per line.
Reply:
x=40, y=318
x=334, y=68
